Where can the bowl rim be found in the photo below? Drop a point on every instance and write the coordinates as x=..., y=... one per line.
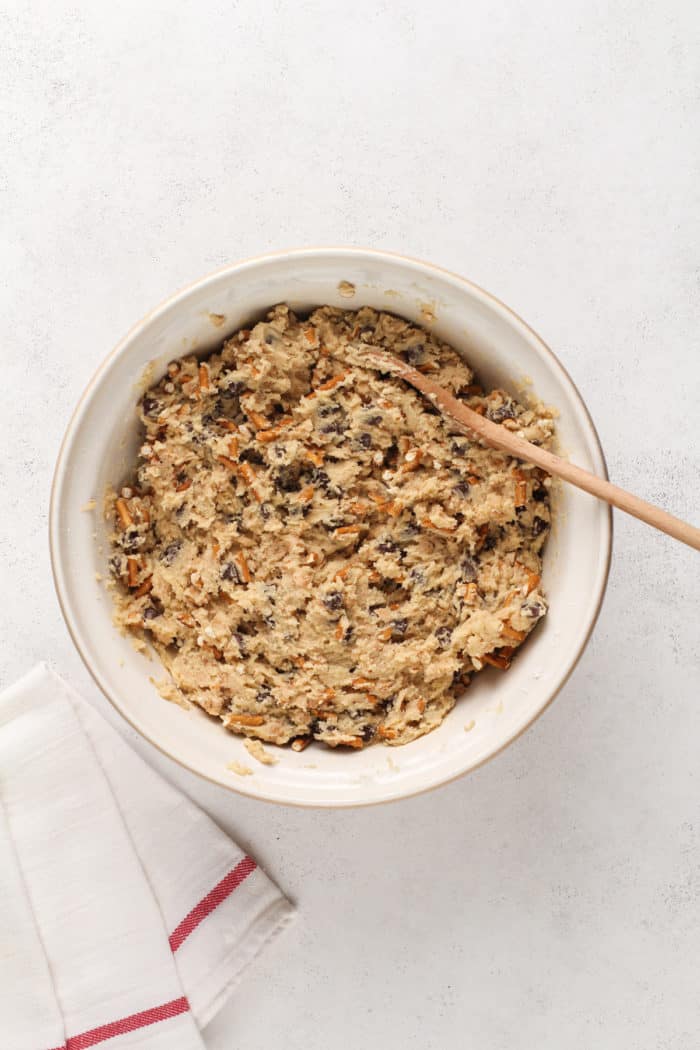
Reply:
x=63, y=459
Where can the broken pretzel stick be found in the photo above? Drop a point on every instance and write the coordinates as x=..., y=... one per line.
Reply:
x=123, y=511
x=259, y=421
x=226, y=461
x=333, y=381
x=132, y=571
x=248, y=474
x=240, y=560
x=228, y=424
x=501, y=658
x=533, y=579
x=145, y=587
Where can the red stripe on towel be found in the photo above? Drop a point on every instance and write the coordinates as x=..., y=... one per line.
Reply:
x=127, y=1024
x=213, y=899
x=206, y=906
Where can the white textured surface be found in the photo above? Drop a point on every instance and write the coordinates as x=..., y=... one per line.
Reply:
x=550, y=152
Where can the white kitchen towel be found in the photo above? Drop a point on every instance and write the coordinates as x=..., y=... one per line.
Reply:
x=126, y=914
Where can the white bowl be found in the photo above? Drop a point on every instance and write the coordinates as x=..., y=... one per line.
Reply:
x=101, y=443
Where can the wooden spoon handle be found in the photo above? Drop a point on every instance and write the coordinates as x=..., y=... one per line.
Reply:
x=499, y=437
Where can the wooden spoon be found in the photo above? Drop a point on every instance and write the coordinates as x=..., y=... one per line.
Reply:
x=501, y=438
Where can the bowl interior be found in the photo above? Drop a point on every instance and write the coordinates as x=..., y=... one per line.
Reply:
x=101, y=444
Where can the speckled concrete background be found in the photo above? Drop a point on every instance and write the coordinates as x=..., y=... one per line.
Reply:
x=550, y=151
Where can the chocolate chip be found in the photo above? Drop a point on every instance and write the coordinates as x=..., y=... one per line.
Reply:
x=364, y=440
x=444, y=637
x=417, y=576
x=263, y=694
x=150, y=612
x=504, y=411
x=240, y=641
x=367, y=732
x=333, y=601
x=265, y=510
x=130, y=541
x=491, y=540
x=539, y=494
x=332, y=428
x=463, y=489
x=374, y=421
x=286, y=480
x=319, y=477
x=399, y=626
x=469, y=570
x=233, y=388
x=532, y=609
x=171, y=552
x=539, y=526
x=231, y=572
x=251, y=455
x=391, y=456
x=415, y=354
x=329, y=410
x=150, y=406
x=387, y=546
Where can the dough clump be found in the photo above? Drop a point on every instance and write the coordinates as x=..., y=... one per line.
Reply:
x=311, y=549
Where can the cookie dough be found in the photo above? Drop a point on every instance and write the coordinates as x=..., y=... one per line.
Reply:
x=312, y=550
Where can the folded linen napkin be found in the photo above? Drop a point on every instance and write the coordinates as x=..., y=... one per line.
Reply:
x=126, y=914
